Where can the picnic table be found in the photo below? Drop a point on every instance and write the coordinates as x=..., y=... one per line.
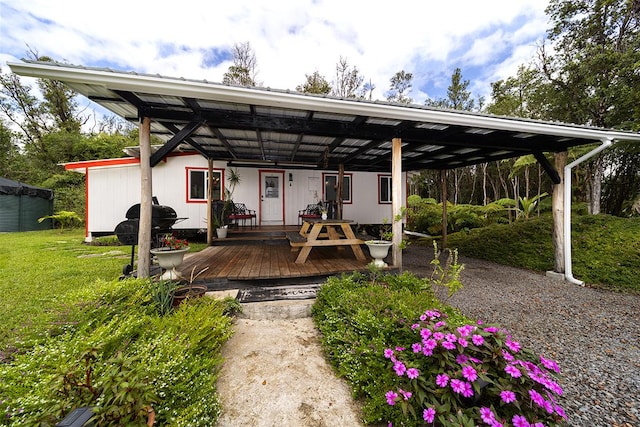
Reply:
x=322, y=233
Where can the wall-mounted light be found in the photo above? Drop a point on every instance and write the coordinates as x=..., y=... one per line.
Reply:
x=290, y=179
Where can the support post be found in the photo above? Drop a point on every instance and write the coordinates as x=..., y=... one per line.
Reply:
x=396, y=201
x=209, y=201
x=557, y=207
x=443, y=184
x=339, y=190
x=144, y=229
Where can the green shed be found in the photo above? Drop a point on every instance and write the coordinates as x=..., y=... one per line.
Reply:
x=22, y=204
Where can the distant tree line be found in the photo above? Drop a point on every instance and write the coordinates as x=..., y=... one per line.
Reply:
x=586, y=73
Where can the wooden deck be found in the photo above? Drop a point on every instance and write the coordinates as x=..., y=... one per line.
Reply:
x=250, y=259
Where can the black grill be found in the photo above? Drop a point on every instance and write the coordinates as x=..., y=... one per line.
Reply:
x=162, y=219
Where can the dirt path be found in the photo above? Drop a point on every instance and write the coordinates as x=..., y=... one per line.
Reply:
x=275, y=374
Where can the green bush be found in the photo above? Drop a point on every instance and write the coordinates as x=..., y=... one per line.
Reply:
x=605, y=249
x=115, y=352
x=425, y=215
x=359, y=319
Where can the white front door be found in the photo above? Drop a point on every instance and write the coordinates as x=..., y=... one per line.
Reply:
x=272, y=198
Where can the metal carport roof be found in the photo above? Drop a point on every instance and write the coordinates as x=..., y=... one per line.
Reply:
x=262, y=126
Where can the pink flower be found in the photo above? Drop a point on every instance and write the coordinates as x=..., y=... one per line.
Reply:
x=487, y=415
x=399, y=368
x=535, y=396
x=461, y=359
x=406, y=395
x=491, y=329
x=415, y=326
x=560, y=412
x=457, y=386
x=451, y=337
x=439, y=324
x=429, y=415
x=465, y=330
x=467, y=390
x=520, y=421
x=416, y=347
x=507, y=356
x=432, y=314
x=425, y=333
x=391, y=397
x=439, y=336
x=513, y=345
x=430, y=344
x=549, y=364
x=442, y=380
x=469, y=373
x=463, y=342
x=448, y=345
x=477, y=340
x=508, y=396
x=388, y=353
x=413, y=373
x=513, y=371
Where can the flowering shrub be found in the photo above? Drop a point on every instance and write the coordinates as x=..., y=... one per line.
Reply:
x=471, y=375
x=171, y=242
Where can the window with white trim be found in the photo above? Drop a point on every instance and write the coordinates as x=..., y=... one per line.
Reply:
x=384, y=189
x=331, y=188
x=198, y=182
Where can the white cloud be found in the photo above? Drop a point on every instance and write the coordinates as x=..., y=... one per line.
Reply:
x=291, y=38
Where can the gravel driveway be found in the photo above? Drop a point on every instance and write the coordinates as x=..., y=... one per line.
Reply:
x=593, y=334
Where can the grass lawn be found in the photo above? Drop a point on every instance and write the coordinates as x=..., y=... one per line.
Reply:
x=72, y=335
x=39, y=268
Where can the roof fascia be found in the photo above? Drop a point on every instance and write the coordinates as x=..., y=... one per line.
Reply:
x=293, y=100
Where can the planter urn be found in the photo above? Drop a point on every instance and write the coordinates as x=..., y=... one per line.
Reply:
x=168, y=260
x=379, y=249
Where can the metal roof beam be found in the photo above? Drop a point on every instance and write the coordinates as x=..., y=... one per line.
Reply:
x=177, y=139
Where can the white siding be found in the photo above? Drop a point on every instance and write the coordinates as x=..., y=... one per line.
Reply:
x=113, y=189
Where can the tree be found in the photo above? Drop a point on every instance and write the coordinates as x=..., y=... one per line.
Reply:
x=593, y=72
x=524, y=95
x=400, y=86
x=243, y=72
x=315, y=83
x=458, y=95
x=348, y=82
x=11, y=162
x=48, y=132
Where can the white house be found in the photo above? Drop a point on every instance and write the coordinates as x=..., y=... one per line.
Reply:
x=276, y=194
x=274, y=133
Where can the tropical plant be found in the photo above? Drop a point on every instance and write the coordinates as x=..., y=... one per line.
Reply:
x=65, y=219
x=528, y=205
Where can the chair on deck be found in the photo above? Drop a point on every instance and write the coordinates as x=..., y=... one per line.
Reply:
x=240, y=212
x=311, y=211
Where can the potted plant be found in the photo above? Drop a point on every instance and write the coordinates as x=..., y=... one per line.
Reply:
x=189, y=290
x=220, y=214
x=225, y=207
x=323, y=210
x=170, y=253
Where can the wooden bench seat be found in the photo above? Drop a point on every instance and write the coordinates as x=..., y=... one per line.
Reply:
x=296, y=240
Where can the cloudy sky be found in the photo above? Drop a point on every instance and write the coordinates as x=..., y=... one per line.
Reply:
x=487, y=39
